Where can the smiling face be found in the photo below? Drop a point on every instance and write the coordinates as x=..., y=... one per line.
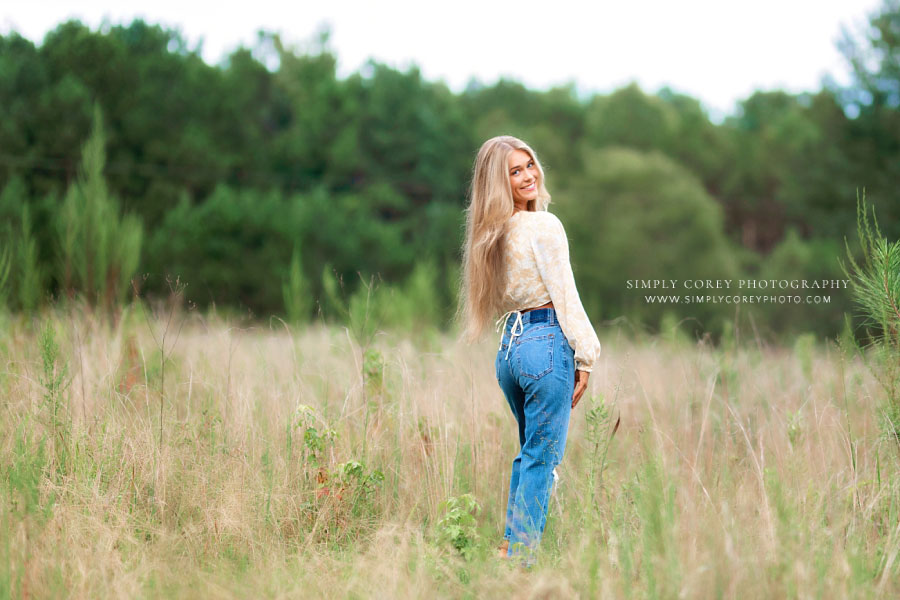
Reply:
x=523, y=178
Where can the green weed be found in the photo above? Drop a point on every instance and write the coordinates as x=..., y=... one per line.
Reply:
x=456, y=526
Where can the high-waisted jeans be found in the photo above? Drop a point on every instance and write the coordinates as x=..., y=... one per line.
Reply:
x=535, y=368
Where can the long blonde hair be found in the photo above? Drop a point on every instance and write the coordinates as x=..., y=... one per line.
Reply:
x=484, y=280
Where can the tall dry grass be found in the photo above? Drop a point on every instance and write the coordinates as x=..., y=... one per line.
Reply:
x=293, y=463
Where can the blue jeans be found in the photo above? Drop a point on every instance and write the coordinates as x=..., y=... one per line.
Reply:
x=535, y=368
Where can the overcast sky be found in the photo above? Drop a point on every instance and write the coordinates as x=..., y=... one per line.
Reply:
x=718, y=51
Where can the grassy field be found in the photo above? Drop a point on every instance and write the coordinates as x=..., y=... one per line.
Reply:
x=236, y=461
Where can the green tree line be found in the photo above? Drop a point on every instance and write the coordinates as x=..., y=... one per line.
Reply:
x=265, y=180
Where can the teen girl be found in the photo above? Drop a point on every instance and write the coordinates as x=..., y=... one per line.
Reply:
x=516, y=263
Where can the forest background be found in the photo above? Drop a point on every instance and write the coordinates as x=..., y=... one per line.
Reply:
x=127, y=163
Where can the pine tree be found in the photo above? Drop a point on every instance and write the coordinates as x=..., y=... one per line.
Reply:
x=875, y=285
x=100, y=249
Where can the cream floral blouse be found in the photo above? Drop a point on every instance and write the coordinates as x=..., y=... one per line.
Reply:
x=537, y=255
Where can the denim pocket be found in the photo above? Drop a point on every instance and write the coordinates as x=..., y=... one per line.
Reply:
x=534, y=355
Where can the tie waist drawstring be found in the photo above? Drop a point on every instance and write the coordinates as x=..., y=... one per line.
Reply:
x=512, y=333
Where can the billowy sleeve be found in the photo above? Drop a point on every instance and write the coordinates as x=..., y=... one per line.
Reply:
x=551, y=252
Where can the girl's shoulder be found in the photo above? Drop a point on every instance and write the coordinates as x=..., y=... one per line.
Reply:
x=538, y=217
x=541, y=220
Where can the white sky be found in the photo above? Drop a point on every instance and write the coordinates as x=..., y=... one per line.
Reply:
x=718, y=51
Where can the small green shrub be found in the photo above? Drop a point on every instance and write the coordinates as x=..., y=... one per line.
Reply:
x=600, y=432
x=456, y=526
x=357, y=482
x=317, y=438
x=54, y=378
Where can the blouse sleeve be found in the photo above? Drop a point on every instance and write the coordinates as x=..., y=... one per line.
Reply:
x=551, y=252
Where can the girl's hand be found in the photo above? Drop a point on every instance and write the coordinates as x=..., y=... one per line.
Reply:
x=581, y=380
